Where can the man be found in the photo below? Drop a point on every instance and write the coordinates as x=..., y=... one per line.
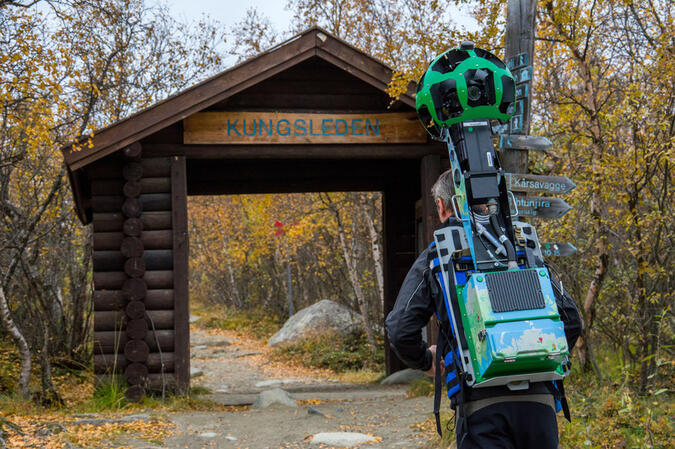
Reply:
x=496, y=417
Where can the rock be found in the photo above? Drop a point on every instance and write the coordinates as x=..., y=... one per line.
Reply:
x=194, y=318
x=272, y=382
x=229, y=438
x=219, y=343
x=208, y=435
x=122, y=420
x=200, y=347
x=341, y=439
x=404, y=377
x=247, y=354
x=315, y=411
x=320, y=318
x=274, y=396
x=195, y=372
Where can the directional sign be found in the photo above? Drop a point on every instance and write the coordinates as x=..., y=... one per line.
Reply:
x=520, y=60
x=557, y=249
x=542, y=206
x=515, y=141
x=518, y=182
x=523, y=75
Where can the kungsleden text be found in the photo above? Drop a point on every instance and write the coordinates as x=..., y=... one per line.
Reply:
x=300, y=127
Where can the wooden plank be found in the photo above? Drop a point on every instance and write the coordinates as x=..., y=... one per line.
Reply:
x=244, y=127
x=111, y=168
x=150, y=202
x=154, y=381
x=113, y=280
x=180, y=271
x=542, y=206
x=106, y=342
x=316, y=151
x=151, y=240
x=114, y=221
x=527, y=183
x=104, y=363
x=155, y=259
x=113, y=320
x=155, y=299
x=113, y=186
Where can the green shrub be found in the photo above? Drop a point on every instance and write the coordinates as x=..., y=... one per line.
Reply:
x=421, y=387
x=334, y=352
x=257, y=323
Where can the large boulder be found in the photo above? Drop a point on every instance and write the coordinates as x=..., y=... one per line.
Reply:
x=323, y=317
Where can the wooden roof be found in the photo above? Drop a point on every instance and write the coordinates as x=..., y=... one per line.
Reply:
x=311, y=43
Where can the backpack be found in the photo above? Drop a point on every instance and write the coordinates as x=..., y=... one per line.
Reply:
x=499, y=327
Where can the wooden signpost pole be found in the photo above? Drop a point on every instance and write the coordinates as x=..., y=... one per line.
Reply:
x=520, y=28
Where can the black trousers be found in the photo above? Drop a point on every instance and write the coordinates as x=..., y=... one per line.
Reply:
x=509, y=425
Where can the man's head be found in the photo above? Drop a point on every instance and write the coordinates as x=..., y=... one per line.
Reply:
x=442, y=192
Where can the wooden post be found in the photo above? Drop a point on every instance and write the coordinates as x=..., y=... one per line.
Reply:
x=520, y=29
x=180, y=274
x=430, y=169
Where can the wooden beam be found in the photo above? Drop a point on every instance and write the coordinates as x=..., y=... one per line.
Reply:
x=317, y=151
x=180, y=273
x=430, y=169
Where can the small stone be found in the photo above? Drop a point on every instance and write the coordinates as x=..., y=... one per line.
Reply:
x=339, y=410
x=315, y=411
x=274, y=396
x=208, y=435
x=404, y=377
x=229, y=438
x=195, y=372
x=194, y=318
x=247, y=354
x=341, y=439
x=200, y=347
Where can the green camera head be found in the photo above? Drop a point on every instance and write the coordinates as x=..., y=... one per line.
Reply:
x=463, y=84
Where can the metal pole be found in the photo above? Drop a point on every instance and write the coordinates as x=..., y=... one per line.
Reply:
x=290, y=289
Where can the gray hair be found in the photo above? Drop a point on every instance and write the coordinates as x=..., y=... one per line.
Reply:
x=444, y=188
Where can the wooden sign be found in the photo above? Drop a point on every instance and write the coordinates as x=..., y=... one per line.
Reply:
x=511, y=141
x=518, y=182
x=542, y=206
x=239, y=127
x=557, y=249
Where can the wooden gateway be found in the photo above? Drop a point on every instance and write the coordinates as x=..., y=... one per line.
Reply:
x=309, y=115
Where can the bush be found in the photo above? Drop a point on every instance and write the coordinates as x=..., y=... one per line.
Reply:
x=256, y=323
x=334, y=352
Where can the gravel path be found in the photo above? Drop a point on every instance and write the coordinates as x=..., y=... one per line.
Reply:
x=235, y=370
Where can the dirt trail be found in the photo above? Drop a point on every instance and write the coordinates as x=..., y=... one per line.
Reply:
x=235, y=370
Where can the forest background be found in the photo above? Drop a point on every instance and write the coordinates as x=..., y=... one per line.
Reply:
x=604, y=94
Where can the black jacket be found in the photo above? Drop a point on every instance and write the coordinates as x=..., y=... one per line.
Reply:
x=417, y=301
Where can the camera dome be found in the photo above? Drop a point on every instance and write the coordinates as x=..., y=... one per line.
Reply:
x=463, y=84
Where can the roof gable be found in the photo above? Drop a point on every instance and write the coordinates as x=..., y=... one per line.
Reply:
x=313, y=43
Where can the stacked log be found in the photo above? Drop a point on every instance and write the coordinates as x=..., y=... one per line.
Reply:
x=133, y=270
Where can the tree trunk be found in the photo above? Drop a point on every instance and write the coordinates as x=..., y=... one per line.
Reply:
x=49, y=395
x=356, y=284
x=376, y=251
x=24, y=350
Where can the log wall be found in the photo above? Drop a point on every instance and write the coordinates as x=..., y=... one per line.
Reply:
x=135, y=273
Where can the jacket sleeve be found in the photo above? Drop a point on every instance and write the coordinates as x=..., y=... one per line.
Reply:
x=412, y=310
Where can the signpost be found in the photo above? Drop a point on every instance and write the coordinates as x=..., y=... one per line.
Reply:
x=557, y=249
x=542, y=206
x=260, y=128
x=518, y=182
x=523, y=142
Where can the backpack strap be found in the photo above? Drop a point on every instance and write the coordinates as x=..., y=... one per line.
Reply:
x=557, y=389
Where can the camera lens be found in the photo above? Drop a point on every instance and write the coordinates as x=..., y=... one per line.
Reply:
x=474, y=93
